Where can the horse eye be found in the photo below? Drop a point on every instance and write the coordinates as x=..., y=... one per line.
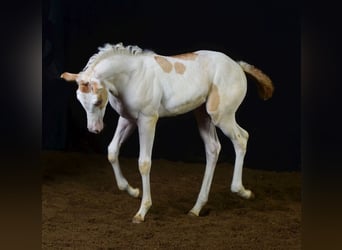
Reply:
x=98, y=103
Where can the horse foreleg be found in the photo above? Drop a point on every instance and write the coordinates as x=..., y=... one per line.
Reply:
x=123, y=130
x=212, y=148
x=146, y=126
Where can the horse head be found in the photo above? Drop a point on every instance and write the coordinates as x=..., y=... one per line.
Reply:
x=93, y=97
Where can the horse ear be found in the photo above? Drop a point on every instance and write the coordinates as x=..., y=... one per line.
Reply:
x=69, y=77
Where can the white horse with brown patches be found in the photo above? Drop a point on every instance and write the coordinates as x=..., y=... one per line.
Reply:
x=143, y=86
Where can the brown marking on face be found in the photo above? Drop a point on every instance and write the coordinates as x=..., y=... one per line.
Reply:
x=179, y=67
x=84, y=87
x=186, y=56
x=95, y=87
x=163, y=63
x=102, y=95
x=213, y=99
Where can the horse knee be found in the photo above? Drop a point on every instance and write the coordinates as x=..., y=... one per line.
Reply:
x=215, y=148
x=244, y=133
x=144, y=166
x=241, y=140
x=112, y=156
x=241, y=146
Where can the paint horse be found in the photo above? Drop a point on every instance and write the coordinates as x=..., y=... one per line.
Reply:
x=143, y=86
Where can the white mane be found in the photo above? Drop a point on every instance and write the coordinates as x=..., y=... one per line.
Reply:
x=114, y=49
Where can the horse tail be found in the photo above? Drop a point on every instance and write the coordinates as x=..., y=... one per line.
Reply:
x=264, y=83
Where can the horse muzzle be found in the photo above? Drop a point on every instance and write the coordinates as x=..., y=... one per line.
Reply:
x=96, y=127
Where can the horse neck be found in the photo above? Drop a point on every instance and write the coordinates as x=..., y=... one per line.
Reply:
x=126, y=63
x=120, y=71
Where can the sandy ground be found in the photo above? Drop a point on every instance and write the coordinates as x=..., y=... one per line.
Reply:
x=82, y=207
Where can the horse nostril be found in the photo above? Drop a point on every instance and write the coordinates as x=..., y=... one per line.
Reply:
x=96, y=131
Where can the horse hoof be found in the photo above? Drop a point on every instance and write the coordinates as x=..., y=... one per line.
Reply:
x=247, y=194
x=192, y=214
x=137, y=219
x=252, y=196
x=134, y=192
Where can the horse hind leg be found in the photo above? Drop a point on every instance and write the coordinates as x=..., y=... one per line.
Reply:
x=212, y=148
x=239, y=138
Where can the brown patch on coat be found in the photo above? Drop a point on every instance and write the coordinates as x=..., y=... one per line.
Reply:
x=95, y=87
x=179, y=67
x=186, y=56
x=102, y=95
x=84, y=87
x=213, y=99
x=163, y=63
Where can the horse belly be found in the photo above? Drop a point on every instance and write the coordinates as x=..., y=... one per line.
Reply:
x=181, y=97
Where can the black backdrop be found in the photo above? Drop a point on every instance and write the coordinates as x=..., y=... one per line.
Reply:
x=266, y=35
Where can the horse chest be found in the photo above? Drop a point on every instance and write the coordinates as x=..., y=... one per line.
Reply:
x=120, y=107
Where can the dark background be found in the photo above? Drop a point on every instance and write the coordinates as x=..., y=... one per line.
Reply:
x=266, y=35
x=24, y=133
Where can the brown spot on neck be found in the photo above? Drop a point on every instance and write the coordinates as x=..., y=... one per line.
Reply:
x=164, y=63
x=213, y=99
x=186, y=56
x=179, y=67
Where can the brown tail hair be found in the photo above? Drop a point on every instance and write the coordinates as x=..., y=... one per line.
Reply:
x=265, y=86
